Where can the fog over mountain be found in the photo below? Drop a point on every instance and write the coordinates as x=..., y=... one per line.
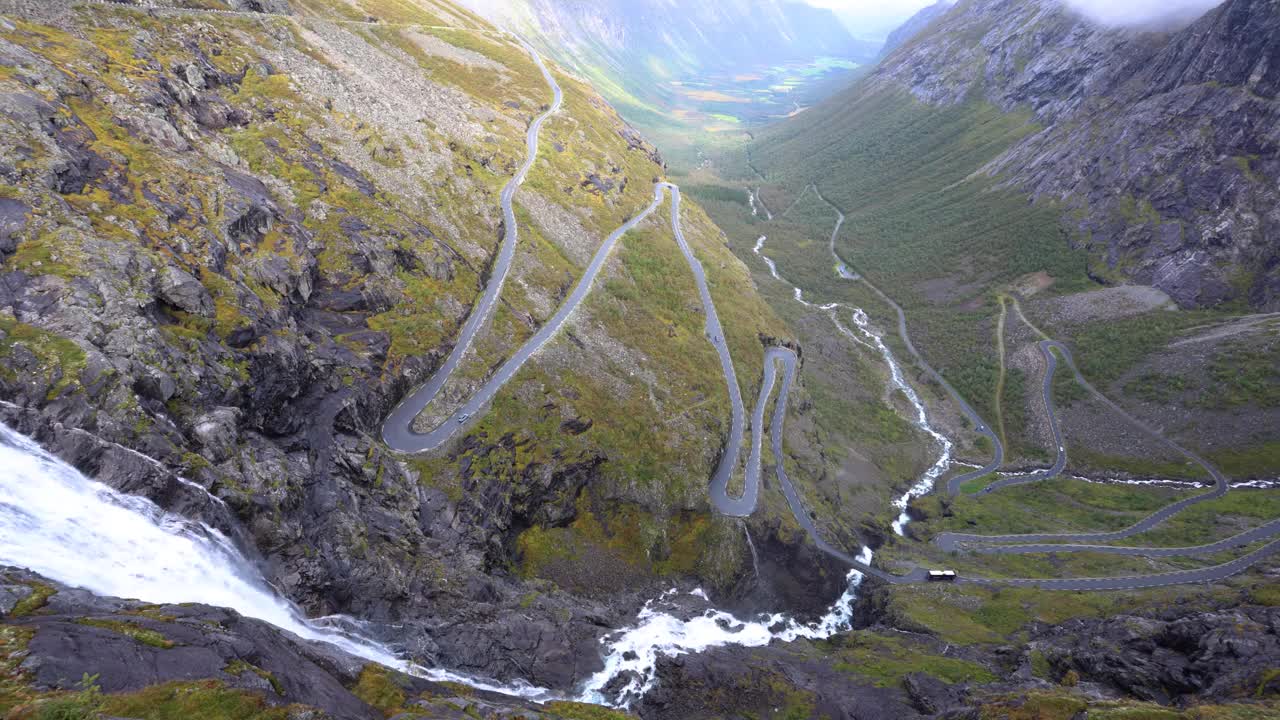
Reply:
x=869, y=18
x=1143, y=12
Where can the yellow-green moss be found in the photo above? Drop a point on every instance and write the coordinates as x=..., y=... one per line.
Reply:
x=206, y=700
x=39, y=597
x=377, y=686
x=581, y=711
x=143, y=635
x=239, y=667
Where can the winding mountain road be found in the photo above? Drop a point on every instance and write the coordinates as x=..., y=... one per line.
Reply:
x=1077, y=542
x=398, y=432
x=1056, y=542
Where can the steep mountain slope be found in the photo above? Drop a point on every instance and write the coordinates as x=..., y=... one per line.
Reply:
x=1160, y=148
x=915, y=25
x=232, y=241
x=1020, y=149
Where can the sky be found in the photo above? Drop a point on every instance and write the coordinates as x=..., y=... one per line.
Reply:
x=875, y=18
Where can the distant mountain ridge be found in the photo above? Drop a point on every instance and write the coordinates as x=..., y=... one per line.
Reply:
x=1160, y=147
x=668, y=37
x=915, y=25
x=652, y=57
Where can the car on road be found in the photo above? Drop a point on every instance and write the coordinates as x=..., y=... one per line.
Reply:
x=463, y=418
x=942, y=576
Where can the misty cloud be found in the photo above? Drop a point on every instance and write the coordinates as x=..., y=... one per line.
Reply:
x=1143, y=12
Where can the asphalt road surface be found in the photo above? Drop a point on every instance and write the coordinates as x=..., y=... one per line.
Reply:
x=399, y=434
x=397, y=431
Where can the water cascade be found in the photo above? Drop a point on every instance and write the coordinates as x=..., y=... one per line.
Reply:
x=60, y=524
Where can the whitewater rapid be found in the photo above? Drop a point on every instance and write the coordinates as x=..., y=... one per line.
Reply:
x=60, y=524
x=633, y=652
x=876, y=342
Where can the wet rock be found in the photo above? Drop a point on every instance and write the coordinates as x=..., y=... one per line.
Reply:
x=930, y=695
x=155, y=384
x=251, y=208
x=193, y=642
x=218, y=432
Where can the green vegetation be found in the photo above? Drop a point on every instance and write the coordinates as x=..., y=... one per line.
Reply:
x=1085, y=459
x=1214, y=519
x=143, y=635
x=238, y=667
x=1244, y=375
x=1156, y=387
x=1060, y=504
x=61, y=360
x=919, y=222
x=886, y=660
x=1062, y=705
x=378, y=686
x=79, y=705
x=1104, y=351
x=975, y=485
x=1260, y=460
x=206, y=700
x=580, y=711
x=975, y=614
x=39, y=597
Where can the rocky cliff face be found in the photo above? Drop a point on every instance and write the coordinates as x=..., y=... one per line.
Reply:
x=196, y=661
x=1162, y=146
x=231, y=240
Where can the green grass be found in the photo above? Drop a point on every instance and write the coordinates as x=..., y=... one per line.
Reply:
x=582, y=711
x=938, y=239
x=975, y=485
x=887, y=660
x=61, y=360
x=1251, y=461
x=1244, y=376
x=378, y=687
x=1105, y=351
x=1086, y=459
x=206, y=700
x=1051, y=505
x=1214, y=519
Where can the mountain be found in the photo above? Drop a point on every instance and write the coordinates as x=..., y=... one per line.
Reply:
x=664, y=39
x=1157, y=149
x=231, y=242
x=914, y=25
x=238, y=238
x=670, y=68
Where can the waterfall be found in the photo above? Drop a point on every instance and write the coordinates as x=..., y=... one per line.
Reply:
x=925, y=485
x=633, y=652
x=755, y=559
x=79, y=532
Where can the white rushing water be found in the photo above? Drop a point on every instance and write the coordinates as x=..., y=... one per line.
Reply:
x=926, y=482
x=64, y=526
x=633, y=652
x=925, y=485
